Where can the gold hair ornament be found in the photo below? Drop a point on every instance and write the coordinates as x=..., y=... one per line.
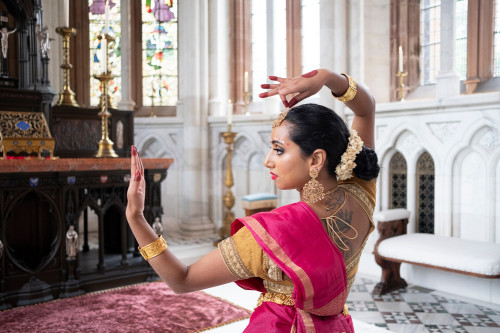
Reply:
x=153, y=249
x=347, y=164
x=351, y=91
x=280, y=118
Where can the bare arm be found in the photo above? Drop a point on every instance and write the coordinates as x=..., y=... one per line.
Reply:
x=305, y=85
x=207, y=272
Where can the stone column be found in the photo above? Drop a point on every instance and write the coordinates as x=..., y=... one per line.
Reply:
x=125, y=102
x=340, y=48
x=328, y=45
x=448, y=80
x=218, y=50
x=193, y=108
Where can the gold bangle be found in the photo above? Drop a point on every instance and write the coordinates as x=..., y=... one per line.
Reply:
x=351, y=91
x=152, y=250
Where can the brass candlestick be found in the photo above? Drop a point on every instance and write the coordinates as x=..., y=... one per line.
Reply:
x=228, y=199
x=401, y=87
x=105, y=144
x=67, y=96
x=246, y=98
x=110, y=40
x=152, y=114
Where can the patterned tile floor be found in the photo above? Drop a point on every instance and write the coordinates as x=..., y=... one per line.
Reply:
x=417, y=309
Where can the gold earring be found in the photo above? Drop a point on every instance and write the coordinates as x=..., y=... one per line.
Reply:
x=313, y=191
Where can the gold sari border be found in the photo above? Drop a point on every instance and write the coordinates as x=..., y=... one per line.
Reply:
x=262, y=233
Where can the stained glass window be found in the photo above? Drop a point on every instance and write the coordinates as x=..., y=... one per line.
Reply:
x=430, y=39
x=97, y=24
x=461, y=38
x=398, y=176
x=425, y=194
x=159, y=53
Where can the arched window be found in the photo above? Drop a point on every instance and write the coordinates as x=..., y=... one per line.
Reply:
x=430, y=40
x=267, y=38
x=398, y=181
x=153, y=53
x=425, y=194
x=97, y=27
x=476, y=43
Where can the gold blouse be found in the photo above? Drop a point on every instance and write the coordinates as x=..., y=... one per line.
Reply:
x=245, y=259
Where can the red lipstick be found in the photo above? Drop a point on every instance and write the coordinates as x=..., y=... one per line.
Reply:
x=273, y=176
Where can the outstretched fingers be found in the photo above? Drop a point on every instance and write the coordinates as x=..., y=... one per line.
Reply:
x=136, y=169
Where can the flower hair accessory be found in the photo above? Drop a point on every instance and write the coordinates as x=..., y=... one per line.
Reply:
x=280, y=118
x=347, y=164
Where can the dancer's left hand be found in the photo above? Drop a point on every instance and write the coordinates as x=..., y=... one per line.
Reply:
x=136, y=192
x=300, y=87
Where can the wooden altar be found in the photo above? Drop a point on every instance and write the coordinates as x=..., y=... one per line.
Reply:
x=41, y=199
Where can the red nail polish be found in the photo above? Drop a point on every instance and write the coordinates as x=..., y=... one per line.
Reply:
x=292, y=102
x=274, y=78
x=133, y=150
x=265, y=86
x=285, y=103
x=137, y=175
x=263, y=95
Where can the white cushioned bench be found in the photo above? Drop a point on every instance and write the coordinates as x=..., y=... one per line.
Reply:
x=447, y=253
x=456, y=255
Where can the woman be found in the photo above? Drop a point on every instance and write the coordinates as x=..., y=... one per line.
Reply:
x=303, y=256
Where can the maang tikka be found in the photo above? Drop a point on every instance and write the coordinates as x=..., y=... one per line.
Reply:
x=313, y=191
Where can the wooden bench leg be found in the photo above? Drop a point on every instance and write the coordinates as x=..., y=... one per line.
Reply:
x=391, y=278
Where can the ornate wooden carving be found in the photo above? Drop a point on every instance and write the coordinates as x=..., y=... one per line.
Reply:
x=77, y=131
x=34, y=266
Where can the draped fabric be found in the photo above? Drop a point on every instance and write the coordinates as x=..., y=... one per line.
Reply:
x=295, y=239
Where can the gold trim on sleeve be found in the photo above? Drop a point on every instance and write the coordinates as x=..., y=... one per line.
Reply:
x=362, y=197
x=233, y=260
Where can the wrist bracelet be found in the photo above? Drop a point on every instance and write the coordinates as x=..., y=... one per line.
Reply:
x=351, y=91
x=153, y=249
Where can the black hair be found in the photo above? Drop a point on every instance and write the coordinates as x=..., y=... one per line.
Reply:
x=314, y=126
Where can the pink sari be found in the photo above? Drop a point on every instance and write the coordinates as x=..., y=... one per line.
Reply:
x=295, y=239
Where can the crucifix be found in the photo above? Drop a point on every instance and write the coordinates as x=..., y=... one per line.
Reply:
x=4, y=30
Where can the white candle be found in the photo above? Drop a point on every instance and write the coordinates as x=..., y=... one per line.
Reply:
x=400, y=59
x=229, y=112
x=66, y=13
x=246, y=83
x=106, y=18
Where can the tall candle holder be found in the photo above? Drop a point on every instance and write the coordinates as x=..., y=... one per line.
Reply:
x=107, y=45
x=152, y=114
x=67, y=96
x=228, y=199
x=246, y=98
x=401, y=86
x=105, y=144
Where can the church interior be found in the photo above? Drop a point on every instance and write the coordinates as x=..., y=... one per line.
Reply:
x=81, y=81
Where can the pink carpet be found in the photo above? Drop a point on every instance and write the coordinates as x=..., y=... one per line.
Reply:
x=149, y=307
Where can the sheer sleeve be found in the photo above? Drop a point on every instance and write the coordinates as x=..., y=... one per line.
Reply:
x=369, y=187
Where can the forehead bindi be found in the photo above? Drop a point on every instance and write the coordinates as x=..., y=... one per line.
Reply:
x=280, y=136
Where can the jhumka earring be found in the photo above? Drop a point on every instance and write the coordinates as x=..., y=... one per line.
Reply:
x=313, y=191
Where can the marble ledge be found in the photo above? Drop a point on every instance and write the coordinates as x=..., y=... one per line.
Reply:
x=461, y=103
x=79, y=164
